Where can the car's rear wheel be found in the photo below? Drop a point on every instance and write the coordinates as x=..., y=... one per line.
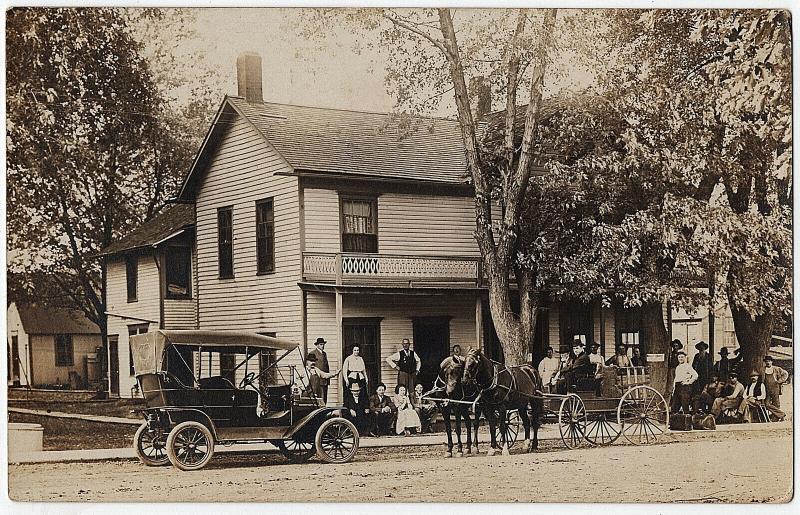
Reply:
x=190, y=446
x=336, y=441
x=151, y=446
x=296, y=451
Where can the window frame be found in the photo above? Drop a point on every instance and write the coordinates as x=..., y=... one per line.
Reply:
x=271, y=266
x=132, y=277
x=134, y=329
x=373, y=200
x=221, y=275
x=178, y=296
x=61, y=354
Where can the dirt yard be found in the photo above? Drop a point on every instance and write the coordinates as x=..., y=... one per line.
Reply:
x=721, y=467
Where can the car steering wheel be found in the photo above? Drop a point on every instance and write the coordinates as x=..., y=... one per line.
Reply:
x=247, y=379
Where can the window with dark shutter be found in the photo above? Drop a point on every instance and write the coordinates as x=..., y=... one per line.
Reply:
x=359, y=225
x=178, y=265
x=265, y=236
x=225, y=237
x=64, y=354
x=131, y=276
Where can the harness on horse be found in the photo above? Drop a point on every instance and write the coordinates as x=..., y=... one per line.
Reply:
x=496, y=366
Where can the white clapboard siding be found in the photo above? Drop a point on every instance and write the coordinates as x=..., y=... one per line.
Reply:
x=241, y=172
x=321, y=212
x=426, y=225
x=180, y=313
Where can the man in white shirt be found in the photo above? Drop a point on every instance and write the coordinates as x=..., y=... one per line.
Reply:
x=753, y=394
x=729, y=401
x=774, y=377
x=407, y=364
x=685, y=376
x=548, y=368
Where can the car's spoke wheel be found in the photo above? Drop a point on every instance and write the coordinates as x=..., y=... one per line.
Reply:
x=572, y=421
x=190, y=446
x=602, y=429
x=643, y=415
x=336, y=441
x=296, y=451
x=151, y=446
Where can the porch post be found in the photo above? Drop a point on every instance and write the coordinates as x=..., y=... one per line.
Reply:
x=340, y=342
x=478, y=322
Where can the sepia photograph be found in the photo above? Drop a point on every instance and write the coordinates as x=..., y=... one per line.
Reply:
x=399, y=255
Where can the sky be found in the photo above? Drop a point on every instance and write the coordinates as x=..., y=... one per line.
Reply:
x=296, y=71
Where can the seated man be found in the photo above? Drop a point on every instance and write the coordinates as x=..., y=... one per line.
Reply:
x=578, y=366
x=754, y=394
x=357, y=406
x=382, y=410
x=705, y=400
x=424, y=408
x=733, y=397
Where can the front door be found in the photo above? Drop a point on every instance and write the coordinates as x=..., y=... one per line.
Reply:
x=15, y=360
x=432, y=345
x=113, y=363
x=365, y=332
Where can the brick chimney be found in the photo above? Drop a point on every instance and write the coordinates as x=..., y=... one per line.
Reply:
x=248, y=73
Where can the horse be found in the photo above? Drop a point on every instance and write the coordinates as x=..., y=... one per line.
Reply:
x=448, y=386
x=502, y=389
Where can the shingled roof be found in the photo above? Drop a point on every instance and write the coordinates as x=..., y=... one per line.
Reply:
x=41, y=320
x=170, y=221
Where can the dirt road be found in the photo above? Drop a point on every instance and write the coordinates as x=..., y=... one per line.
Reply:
x=692, y=468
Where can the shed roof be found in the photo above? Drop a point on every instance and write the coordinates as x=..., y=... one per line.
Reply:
x=44, y=320
x=169, y=222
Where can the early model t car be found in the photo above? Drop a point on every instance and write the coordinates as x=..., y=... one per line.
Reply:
x=189, y=382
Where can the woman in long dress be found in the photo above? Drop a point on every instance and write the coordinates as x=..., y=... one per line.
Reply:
x=407, y=417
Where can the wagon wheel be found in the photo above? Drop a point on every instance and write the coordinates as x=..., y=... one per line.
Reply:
x=572, y=421
x=512, y=428
x=643, y=415
x=151, y=446
x=296, y=451
x=336, y=441
x=190, y=446
x=602, y=429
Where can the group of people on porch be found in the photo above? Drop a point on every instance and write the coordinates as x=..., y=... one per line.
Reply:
x=716, y=388
x=378, y=414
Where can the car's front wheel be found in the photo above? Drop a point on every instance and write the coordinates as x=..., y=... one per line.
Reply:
x=336, y=441
x=190, y=446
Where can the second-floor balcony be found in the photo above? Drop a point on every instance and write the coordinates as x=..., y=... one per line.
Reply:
x=391, y=270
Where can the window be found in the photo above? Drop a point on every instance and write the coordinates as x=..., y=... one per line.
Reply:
x=359, y=225
x=64, y=355
x=131, y=276
x=178, y=265
x=265, y=236
x=629, y=327
x=225, y=237
x=133, y=330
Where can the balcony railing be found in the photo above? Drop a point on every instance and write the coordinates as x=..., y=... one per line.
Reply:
x=390, y=270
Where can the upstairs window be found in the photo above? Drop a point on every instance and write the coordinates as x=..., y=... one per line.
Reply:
x=359, y=225
x=265, y=236
x=64, y=354
x=225, y=238
x=131, y=276
x=178, y=265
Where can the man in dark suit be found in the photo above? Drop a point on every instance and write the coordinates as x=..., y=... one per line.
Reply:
x=382, y=410
x=322, y=364
x=357, y=405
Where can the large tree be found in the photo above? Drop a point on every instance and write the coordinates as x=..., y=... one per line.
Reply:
x=93, y=146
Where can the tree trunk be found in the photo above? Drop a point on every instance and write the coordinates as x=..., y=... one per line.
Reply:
x=657, y=342
x=754, y=337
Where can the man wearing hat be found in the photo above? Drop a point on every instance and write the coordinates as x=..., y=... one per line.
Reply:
x=774, y=377
x=722, y=367
x=357, y=405
x=321, y=362
x=753, y=394
x=703, y=365
x=577, y=366
x=734, y=397
x=672, y=363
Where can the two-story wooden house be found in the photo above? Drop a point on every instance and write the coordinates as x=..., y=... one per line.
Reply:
x=312, y=222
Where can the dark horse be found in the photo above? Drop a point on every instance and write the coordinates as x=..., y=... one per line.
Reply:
x=502, y=389
x=449, y=387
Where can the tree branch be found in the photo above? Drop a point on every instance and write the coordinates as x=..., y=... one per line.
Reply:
x=409, y=26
